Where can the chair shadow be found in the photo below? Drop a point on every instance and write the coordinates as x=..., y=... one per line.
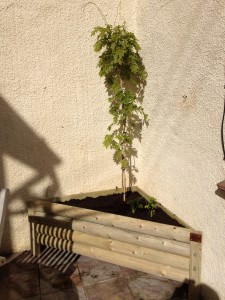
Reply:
x=24, y=279
x=21, y=143
x=196, y=292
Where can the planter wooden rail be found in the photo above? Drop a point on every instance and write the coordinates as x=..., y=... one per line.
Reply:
x=164, y=250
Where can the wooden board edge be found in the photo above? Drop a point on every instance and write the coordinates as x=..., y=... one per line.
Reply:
x=167, y=211
x=123, y=222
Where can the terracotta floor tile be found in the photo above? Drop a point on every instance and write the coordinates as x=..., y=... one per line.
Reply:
x=19, y=285
x=16, y=268
x=93, y=271
x=38, y=297
x=52, y=280
x=70, y=294
x=145, y=286
x=113, y=289
x=81, y=293
x=148, y=287
x=76, y=279
x=126, y=272
x=91, y=280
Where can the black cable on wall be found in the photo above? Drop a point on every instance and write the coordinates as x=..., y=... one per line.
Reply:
x=222, y=125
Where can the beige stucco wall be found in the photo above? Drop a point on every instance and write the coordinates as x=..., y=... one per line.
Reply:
x=181, y=158
x=53, y=107
x=54, y=115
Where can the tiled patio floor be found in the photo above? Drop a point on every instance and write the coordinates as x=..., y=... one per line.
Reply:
x=89, y=279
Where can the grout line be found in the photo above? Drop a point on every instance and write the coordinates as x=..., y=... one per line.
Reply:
x=125, y=283
x=39, y=280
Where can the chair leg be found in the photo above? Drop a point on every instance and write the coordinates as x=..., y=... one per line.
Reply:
x=35, y=247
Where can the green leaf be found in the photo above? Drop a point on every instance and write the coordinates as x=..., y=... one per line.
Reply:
x=124, y=163
x=98, y=46
x=108, y=140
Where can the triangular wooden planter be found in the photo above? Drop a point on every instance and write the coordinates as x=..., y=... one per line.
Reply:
x=169, y=251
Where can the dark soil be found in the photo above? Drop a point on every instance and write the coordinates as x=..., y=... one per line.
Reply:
x=114, y=204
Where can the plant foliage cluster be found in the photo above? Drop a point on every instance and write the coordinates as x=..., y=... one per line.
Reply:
x=150, y=205
x=125, y=76
x=120, y=63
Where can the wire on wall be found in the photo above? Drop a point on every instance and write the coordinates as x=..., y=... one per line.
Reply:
x=222, y=124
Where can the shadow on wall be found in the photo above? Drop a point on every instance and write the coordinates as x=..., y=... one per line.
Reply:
x=220, y=193
x=199, y=292
x=20, y=142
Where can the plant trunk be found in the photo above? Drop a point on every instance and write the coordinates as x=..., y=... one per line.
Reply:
x=124, y=169
x=124, y=184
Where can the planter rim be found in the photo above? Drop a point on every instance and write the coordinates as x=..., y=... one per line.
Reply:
x=82, y=196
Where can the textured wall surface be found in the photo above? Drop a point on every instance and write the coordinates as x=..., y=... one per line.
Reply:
x=54, y=114
x=181, y=159
x=53, y=107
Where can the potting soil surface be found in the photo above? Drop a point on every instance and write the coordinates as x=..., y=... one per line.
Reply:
x=114, y=204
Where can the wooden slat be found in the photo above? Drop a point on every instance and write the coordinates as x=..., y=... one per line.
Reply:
x=54, y=242
x=132, y=250
x=95, y=194
x=102, y=235
x=96, y=230
x=134, y=263
x=35, y=247
x=59, y=221
x=123, y=248
x=137, y=225
x=61, y=233
x=195, y=270
x=82, y=196
x=166, y=210
x=122, y=260
x=140, y=239
x=195, y=262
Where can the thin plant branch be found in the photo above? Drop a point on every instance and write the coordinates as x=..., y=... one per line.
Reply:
x=118, y=12
x=98, y=8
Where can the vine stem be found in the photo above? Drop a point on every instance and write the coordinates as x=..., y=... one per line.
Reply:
x=118, y=12
x=98, y=8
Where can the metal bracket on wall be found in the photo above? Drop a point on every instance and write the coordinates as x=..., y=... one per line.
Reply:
x=195, y=237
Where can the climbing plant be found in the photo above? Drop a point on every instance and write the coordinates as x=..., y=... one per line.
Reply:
x=125, y=76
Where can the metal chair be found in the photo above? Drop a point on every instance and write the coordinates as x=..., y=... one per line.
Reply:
x=4, y=193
